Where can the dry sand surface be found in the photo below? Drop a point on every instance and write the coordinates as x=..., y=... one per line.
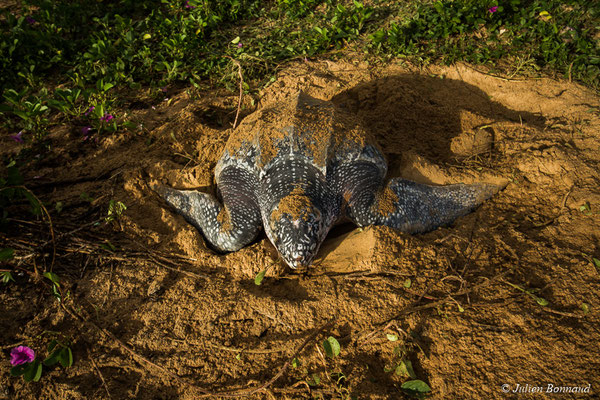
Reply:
x=450, y=296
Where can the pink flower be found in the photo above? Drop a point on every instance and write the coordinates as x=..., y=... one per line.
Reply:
x=21, y=355
x=107, y=117
x=187, y=5
x=86, y=130
x=18, y=137
x=493, y=9
x=240, y=45
x=89, y=110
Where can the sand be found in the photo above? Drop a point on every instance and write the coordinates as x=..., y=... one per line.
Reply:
x=448, y=296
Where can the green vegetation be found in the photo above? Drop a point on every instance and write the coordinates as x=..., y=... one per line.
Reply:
x=30, y=366
x=61, y=58
x=402, y=367
x=530, y=292
x=554, y=35
x=332, y=347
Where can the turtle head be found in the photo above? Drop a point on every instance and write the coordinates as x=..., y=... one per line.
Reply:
x=297, y=228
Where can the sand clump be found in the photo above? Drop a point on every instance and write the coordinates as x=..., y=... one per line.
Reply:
x=322, y=127
x=296, y=204
x=224, y=219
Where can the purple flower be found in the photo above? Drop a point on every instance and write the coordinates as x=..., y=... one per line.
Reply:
x=18, y=137
x=493, y=9
x=240, y=45
x=188, y=5
x=30, y=20
x=86, y=130
x=21, y=355
x=89, y=110
x=107, y=117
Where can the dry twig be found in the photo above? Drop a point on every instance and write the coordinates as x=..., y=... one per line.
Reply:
x=239, y=106
x=99, y=374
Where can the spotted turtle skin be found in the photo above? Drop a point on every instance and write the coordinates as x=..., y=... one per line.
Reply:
x=295, y=168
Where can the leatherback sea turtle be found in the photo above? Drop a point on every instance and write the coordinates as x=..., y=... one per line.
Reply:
x=297, y=167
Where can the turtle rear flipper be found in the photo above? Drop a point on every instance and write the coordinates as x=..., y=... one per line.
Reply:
x=416, y=208
x=228, y=226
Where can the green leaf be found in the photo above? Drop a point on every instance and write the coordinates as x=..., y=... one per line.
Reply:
x=416, y=388
x=53, y=358
x=59, y=105
x=33, y=372
x=65, y=356
x=108, y=246
x=53, y=277
x=36, y=207
x=259, y=277
x=75, y=96
x=52, y=345
x=585, y=308
x=331, y=346
x=22, y=114
x=19, y=370
x=85, y=197
x=56, y=292
x=391, y=338
x=38, y=372
x=132, y=126
x=596, y=262
x=295, y=362
x=6, y=276
x=6, y=254
x=236, y=40
x=405, y=369
x=14, y=177
x=541, y=301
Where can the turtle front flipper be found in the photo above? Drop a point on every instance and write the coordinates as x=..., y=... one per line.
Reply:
x=228, y=226
x=415, y=208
